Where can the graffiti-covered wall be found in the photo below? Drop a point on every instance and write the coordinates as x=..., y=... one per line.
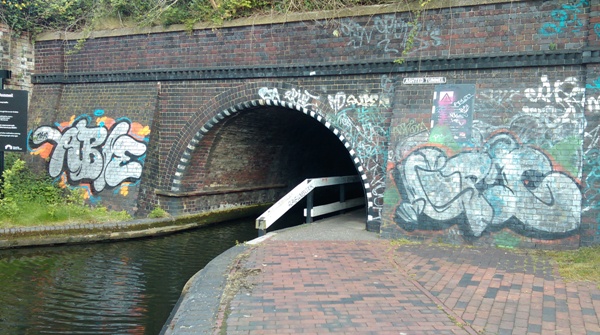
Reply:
x=500, y=157
x=97, y=141
x=478, y=124
x=493, y=165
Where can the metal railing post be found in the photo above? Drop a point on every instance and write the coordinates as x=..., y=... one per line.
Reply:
x=342, y=196
x=309, y=206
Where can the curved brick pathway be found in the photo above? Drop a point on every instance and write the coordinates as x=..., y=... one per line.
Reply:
x=374, y=287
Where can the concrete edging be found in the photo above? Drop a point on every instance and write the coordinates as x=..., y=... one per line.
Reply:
x=198, y=306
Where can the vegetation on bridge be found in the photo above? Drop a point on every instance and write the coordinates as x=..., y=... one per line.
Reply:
x=34, y=16
x=72, y=15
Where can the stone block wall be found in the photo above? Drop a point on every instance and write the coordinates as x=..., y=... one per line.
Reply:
x=17, y=56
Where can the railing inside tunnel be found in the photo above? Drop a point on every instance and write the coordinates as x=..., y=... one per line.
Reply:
x=305, y=189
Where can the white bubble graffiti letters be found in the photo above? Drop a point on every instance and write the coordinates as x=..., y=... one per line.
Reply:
x=501, y=181
x=92, y=153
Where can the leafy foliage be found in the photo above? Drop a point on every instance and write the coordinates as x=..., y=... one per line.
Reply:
x=30, y=199
x=157, y=213
x=34, y=16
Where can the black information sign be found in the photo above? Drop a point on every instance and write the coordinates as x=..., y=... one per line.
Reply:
x=453, y=107
x=13, y=120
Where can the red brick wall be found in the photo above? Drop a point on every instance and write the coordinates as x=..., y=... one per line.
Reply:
x=533, y=66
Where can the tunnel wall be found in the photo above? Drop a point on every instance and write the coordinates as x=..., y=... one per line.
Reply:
x=498, y=147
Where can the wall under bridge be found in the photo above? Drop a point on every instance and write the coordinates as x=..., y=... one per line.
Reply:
x=485, y=133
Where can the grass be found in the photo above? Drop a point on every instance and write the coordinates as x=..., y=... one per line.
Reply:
x=29, y=215
x=578, y=265
x=582, y=264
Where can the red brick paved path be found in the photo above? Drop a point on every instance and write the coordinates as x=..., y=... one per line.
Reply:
x=360, y=287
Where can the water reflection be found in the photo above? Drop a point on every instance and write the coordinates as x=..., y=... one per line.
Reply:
x=107, y=288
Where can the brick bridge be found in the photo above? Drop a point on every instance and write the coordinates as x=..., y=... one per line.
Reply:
x=487, y=132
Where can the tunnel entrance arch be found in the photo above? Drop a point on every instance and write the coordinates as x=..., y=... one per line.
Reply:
x=212, y=131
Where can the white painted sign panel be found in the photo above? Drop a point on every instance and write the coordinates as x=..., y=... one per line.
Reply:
x=423, y=80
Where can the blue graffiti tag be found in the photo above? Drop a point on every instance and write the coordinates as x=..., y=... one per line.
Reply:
x=564, y=18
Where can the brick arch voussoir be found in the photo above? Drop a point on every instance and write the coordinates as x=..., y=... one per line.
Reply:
x=235, y=95
x=184, y=160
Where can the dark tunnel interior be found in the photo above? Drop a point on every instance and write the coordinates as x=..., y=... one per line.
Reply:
x=269, y=146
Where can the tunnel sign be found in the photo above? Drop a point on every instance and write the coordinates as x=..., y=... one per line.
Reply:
x=13, y=120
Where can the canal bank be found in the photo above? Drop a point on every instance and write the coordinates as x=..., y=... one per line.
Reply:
x=80, y=233
x=332, y=277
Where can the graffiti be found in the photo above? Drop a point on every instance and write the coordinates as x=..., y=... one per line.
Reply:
x=389, y=34
x=340, y=100
x=593, y=102
x=93, y=157
x=337, y=102
x=591, y=192
x=549, y=116
x=500, y=181
x=269, y=93
x=304, y=99
x=301, y=98
x=408, y=128
x=592, y=139
x=359, y=118
x=565, y=19
x=592, y=180
x=364, y=128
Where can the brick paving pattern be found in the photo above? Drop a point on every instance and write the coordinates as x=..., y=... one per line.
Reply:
x=374, y=287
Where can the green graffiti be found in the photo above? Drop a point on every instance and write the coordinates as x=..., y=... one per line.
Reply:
x=506, y=240
x=566, y=153
x=443, y=135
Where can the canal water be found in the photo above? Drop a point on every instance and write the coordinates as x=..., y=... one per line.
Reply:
x=125, y=287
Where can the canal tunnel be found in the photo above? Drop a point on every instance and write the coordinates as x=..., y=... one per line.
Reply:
x=260, y=154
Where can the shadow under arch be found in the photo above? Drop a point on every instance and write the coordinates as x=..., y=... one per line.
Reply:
x=185, y=159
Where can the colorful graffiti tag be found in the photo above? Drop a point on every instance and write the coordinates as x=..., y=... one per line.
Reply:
x=109, y=154
x=489, y=186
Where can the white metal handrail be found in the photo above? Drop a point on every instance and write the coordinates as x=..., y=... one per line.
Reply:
x=300, y=192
